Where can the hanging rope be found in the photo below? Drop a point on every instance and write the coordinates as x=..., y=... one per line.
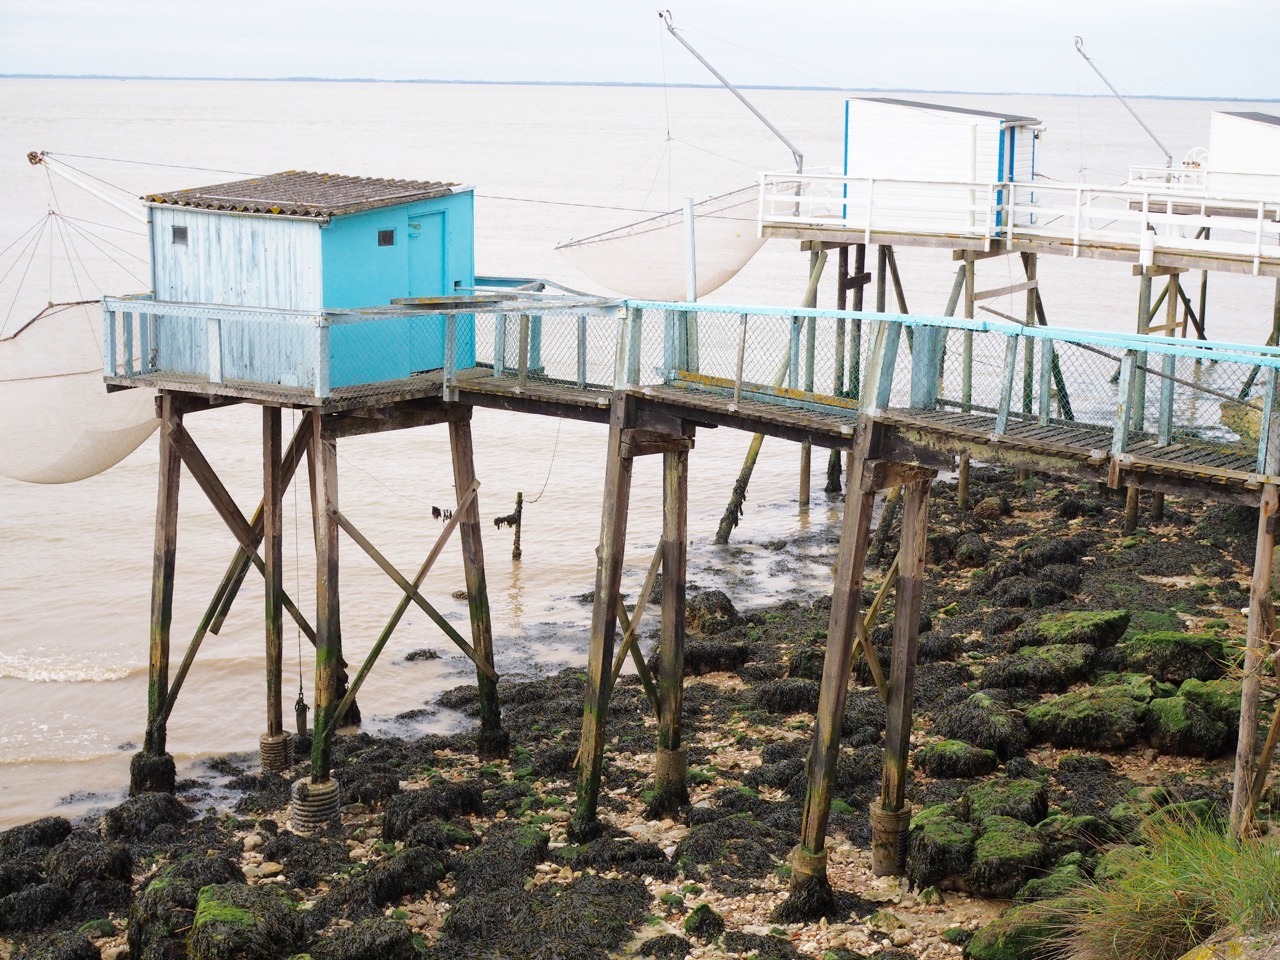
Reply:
x=554, y=447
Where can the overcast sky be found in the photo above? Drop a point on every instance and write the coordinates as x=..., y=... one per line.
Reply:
x=1172, y=48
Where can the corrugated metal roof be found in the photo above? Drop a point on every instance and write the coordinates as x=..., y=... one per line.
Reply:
x=299, y=193
x=1010, y=118
x=1255, y=116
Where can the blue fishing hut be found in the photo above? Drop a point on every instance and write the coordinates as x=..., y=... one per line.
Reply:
x=274, y=257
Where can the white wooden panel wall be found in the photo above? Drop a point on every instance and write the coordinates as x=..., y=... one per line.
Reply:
x=1244, y=158
x=889, y=140
x=245, y=261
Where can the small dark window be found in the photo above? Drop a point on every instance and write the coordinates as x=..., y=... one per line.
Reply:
x=386, y=238
x=180, y=236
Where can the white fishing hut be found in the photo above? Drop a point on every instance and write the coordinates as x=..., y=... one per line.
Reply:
x=1244, y=155
x=921, y=163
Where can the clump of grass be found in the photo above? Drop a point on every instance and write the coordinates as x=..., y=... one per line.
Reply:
x=1187, y=881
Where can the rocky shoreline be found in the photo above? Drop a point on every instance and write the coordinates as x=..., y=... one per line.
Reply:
x=1070, y=681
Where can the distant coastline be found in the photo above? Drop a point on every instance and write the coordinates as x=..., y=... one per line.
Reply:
x=620, y=83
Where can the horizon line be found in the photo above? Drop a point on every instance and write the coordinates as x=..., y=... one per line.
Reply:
x=618, y=83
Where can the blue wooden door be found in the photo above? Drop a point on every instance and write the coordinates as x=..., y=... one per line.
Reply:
x=426, y=255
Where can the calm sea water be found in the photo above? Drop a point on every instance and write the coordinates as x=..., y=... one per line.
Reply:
x=75, y=560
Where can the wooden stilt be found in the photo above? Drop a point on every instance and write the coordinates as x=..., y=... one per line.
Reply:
x=810, y=895
x=324, y=459
x=604, y=621
x=273, y=744
x=966, y=378
x=806, y=448
x=890, y=820
x=1255, y=644
x=834, y=466
x=672, y=792
x=492, y=741
x=1130, y=509
x=152, y=769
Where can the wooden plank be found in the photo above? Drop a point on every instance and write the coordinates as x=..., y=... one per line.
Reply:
x=604, y=620
x=997, y=292
x=493, y=741
x=906, y=628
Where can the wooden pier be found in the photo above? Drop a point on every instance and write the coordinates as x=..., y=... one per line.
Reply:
x=895, y=395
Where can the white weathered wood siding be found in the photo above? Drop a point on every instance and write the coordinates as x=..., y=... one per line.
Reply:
x=893, y=141
x=1244, y=157
x=250, y=261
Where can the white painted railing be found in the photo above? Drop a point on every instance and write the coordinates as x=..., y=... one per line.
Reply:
x=1142, y=220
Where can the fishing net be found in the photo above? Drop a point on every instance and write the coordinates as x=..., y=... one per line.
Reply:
x=59, y=424
x=647, y=260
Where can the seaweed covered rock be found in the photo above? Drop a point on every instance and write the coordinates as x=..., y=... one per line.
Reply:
x=791, y=695
x=955, y=759
x=703, y=923
x=1067, y=834
x=759, y=945
x=1050, y=668
x=665, y=946
x=163, y=912
x=1104, y=717
x=140, y=816
x=985, y=721
x=440, y=801
x=97, y=875
x=33, y=907
x=377, y=938
x=1059, y=882
x=38, y=834
x=712, y=655
x=621, y=853
x=1098, y=628
x=971, y=550
x=710, y=612
x=1019, y=591
x=59, y=945
x=586, y=919
x=237, y=922
x=505, y=858
x=1175, y=657
x=734, y=851
x=307, y=861
x=1024, y=800
x=1023, y=933
x=939, y=847
x=1006, y=855
x=1177, y=725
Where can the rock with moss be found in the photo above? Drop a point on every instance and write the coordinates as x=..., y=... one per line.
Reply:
x=164, y=910
x=1140, y=686
x=1116, y=862
x=987, y=721
x=1067, y=834
x=1219, y=698
x=1006, y=855
x=1024, y=933
x=939, y=847
x=1050, y=668
x=237, y=922
x=1058, y=883
x=1098, y=628
x=1101, y=717
x=1025, y=800
x=1174, y=657
x=1177, y=725
x=952, y=759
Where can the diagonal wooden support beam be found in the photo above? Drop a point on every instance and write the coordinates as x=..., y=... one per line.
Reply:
x=864, y=630
x=631, y=639
x=226, y=508
x=239, y=566
x=411, y=592
x=203, y=474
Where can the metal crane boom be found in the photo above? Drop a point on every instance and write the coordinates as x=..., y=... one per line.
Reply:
x=1168, y=157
